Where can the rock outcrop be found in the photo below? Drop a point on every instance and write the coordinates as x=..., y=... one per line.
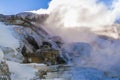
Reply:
x=31, y=37
x=4, y=71
x=45, y=55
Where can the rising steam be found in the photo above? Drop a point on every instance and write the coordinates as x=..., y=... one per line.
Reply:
x=77, y=21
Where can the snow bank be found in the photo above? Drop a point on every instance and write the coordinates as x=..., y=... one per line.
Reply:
x=6, y=37
x=21, y=71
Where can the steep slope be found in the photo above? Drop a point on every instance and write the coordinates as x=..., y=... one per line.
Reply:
x=21, y=36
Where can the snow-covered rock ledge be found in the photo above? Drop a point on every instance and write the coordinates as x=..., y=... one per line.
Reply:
x=19, y=32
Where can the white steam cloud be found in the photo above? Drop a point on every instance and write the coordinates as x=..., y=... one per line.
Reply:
x=77, y=21
x=69, y=17
x=87, y=13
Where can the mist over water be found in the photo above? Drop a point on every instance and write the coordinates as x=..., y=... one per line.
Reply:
x=77, y=21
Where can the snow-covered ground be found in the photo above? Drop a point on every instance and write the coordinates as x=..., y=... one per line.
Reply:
x=6, y=37
x=96, y=58
x=21, y=71
x=7, y=40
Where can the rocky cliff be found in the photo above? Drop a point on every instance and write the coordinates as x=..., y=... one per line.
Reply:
x=27, y=42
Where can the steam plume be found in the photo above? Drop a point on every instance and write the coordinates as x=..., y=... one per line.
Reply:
x=76, y=21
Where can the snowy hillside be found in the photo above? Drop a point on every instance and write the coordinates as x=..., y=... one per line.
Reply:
x=84, y=60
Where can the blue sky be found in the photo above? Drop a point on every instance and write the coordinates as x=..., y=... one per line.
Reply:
x=16, y=6
x=106, y=2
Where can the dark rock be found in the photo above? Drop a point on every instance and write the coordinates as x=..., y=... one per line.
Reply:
x=32, y=41
x=60, y=60
x=46, y=54
x=25, y=17
x=4, y=71
x=42, y=74
x=24, y=51
x=46, y=44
